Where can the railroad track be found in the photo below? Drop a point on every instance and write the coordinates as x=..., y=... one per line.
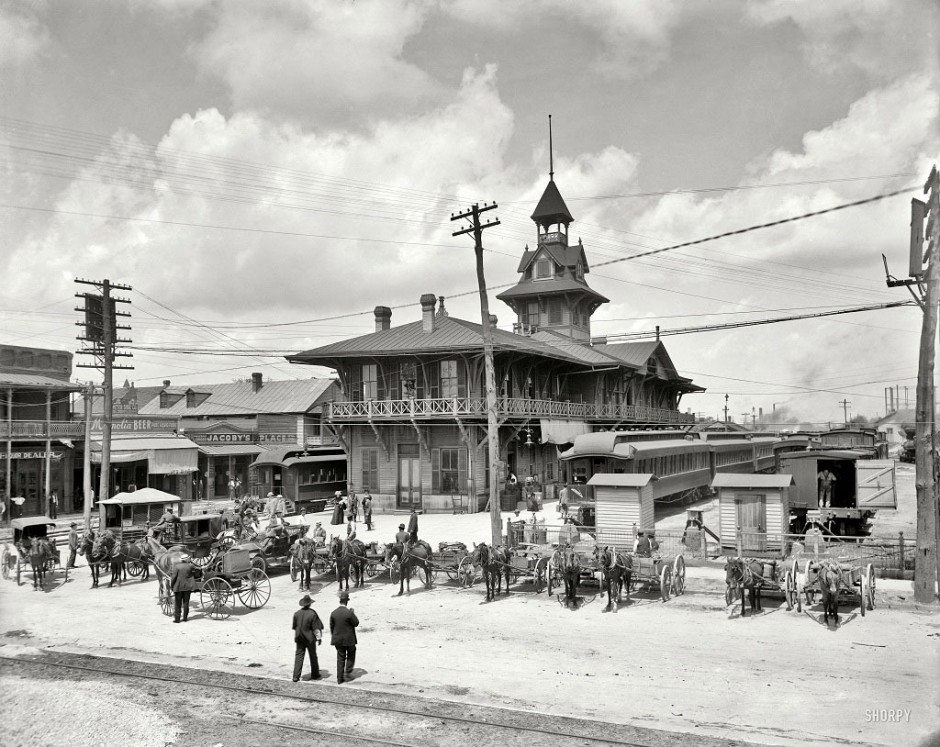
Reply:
x=391, y=719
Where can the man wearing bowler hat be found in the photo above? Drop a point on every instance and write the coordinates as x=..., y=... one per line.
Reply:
x=183, y=584
x=308, y=634
x=73, y=544
x=343, y=624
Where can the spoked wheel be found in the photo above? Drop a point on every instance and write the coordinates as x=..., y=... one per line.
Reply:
x=394, y=571
x=255, y=590
x=259, y=563
x=465, y=572
x=135, y=569
x=226, y=543
x=294, y=568
x=789, y=592
x=320, y=565
x=540, y=580
x=870, y=598
x=165, y=597
x=203, y=561
x=665, y=581
x=217, y=598
x=678, y=576
x=371, y=569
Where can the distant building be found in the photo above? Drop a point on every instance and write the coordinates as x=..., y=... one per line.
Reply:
x=890, y=426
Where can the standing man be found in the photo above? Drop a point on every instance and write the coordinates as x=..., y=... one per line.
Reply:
x=53, y=505
x=353, y=506
x=402, y=536
x=351, y=528
x=308, y=634
x=343, y=624
x=183, y=584
x=73, y=544
x=367, y=509
x=413, y=525
x=826, y=478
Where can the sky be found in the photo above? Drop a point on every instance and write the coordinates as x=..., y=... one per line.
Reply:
x=263, y=174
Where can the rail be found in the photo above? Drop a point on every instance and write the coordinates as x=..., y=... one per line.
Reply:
x=507, y=407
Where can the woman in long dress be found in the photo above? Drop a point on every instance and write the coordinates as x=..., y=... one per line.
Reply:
x=338, y=509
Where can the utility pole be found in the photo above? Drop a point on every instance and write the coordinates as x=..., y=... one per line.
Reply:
x=726, y=408
x=101, y=330
x=87, y=488
x=925, y=275
x=492, y=425
x=845, y=410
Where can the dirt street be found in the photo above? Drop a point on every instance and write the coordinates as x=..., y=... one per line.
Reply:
x=688, y=665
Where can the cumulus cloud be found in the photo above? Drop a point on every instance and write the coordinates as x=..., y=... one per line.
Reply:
x=322, y=60
x=22, y=38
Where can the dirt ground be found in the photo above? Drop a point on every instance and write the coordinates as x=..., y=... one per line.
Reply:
x=689, y=665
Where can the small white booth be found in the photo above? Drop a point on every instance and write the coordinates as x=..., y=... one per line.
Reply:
x=623, y=502
x=757, y=503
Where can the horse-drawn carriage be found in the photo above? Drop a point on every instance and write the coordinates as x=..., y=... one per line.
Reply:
x=844, y=575
x=756, y=575
x=31, y=548
x=272, y=547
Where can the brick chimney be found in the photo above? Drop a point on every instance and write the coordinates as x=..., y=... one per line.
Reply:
x=493, y=320
x=428, y=302
x=256, y=381
x=383, y=318
x=166, y=383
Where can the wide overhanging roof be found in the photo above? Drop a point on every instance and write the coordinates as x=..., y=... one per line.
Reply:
x=141, y=496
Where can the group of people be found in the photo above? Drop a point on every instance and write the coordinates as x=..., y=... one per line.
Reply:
x=308, y=634
x=349, y=507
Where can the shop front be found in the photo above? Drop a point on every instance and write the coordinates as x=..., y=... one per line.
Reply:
x=167, y=463
x=28, y=467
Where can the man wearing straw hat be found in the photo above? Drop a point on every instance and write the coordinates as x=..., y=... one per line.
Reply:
x=308, y=634
x=183, y=584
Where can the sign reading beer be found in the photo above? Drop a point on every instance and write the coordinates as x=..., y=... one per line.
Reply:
x=137, y=425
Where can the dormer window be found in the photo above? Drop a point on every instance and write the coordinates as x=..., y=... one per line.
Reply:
x=543, y=269
x=579, y=271
x=190, y=398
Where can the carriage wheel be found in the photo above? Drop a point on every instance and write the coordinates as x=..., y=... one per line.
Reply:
x=255, y=589
x=135, y=568
x=165, y=597
x=5, y=563
x=678, y=576
x=203, y=561
x=216, y=597
x=294, y=568
x=320, y=564
x=394, y=570
x=870, y=600
x=665, y=580
x=465, y=572
x=260, y=563
x=540, y=580
x=790, y=595
x=226, y=543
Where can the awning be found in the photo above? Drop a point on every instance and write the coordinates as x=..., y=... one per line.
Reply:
x=231, y=450
x=165, y=456
x=141, y=496
x=312, y=459
x=562, y=431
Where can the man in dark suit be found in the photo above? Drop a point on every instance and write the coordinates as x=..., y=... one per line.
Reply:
x=307, y=635
x=343, y=624
x=183, y=583
x=413, y=526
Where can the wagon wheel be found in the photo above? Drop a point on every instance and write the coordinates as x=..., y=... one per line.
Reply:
x=258, y=561
x=216, y=597
x=135, y=568
x=204, y=561
x=790, y=595
x=870, y=600
x=294, y=568
x=5, y=563
x=320, y=564
x=255, y=590
x=165, y=597
x=678, y=576
x=540, y=580
x=394, y=570
x=465, y=572
x=665, y=580
x=372, y=568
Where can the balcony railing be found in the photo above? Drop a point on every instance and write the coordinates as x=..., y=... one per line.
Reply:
x=27, y=429
x=471, y=407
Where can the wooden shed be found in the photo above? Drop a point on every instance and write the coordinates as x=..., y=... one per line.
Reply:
x=622, y=502
x=132, y=511
x=758, y=503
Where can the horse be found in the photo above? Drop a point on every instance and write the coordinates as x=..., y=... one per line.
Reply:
x=349, y=553
x=92, y=556
x=38, y=550
x=829, y=577
x=569, y=563
x=617, y=570
x=136, y=552
x=741, y=574
x=304, y=550
x=163, y=561
x=107, y=547
x=416, y=556
x=494, y=562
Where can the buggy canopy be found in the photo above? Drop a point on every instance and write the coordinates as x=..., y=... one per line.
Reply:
x=31, y=521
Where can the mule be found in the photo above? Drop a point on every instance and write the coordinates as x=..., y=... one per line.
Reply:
x=495, y=563
x=136, y=552
x=568, y=563
x=92, y=556
x=349, y=553
x=416, y=556
x=38, y=551
x=617, y=571
x=741, y=574
x=829, y=577
x=108, y=548
x=304, y=550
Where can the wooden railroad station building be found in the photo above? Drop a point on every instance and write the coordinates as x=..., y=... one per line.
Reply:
x=411, y=413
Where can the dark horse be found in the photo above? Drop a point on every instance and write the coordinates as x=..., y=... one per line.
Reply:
x=107, y=547
x=94, y=554
x=741, y=574
x=39, y=552
x=349, y=554
x=568, y=563
x=415, y=556
x=495, y=563
x=617, y=570
x=829, y=577
x=304, y=551
x=135, y=552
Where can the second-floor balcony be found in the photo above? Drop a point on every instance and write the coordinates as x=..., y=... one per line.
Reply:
x=475, y=408
x=28, y=429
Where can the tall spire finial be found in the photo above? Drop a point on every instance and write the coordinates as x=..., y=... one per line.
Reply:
x=551, y=160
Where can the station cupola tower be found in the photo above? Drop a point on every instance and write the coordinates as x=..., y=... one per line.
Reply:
x=552, y=293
